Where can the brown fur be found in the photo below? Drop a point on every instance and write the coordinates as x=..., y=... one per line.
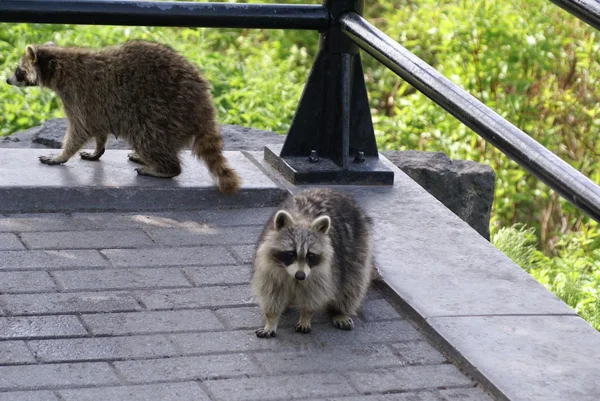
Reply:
x=144, y=92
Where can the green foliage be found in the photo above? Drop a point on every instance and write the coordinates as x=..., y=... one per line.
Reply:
x=528, y=60
x=573, y=275
x=518, y=243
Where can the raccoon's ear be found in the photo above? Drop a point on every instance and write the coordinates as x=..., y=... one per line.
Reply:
x=31, y=53
x=283, y=219
x=50, y=44
x=321, y=224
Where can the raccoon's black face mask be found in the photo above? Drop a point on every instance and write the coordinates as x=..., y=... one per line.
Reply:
x=20, y=78
x=27, y=73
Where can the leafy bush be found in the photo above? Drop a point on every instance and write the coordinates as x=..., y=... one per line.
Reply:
x=573, y=275
x=531, y=62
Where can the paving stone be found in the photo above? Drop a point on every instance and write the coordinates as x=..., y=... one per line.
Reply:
x=206, y=275
x=408, y=378
x=331, y=359
x=280, y=387
x=40, y=326
x=374, y=332
x=9, y=242
x=12, y=352
x=151, y=322
x=189, y=220
x=208, y=235
x=187, y=368
x=50, y=259
x=198, y=297
x=87, y=239
x=140, y=220
x=373, y=293
x=242, y=318
x=36, y=222
x=152, y=392
x=252, y=318
x=56, y=375
x=116, y=279
x=465, y=394
x=204, y=255
x=236, y=217
x=239, y=341
x=378, y=309
x=104, y=348
x=565, y=351
x=35, y=304
x=418, y=352
x=244, y=253
x=27, y=281
x=410, y=396
x=28, y=396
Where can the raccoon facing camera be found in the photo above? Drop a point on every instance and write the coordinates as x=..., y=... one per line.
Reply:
x=314, y=254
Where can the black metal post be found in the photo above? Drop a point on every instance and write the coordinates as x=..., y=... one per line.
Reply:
x=332, y=124
x=180, y=14
x=556, y=173
x=586, y=10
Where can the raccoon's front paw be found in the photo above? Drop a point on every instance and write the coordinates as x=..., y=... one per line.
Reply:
x=343, y=322
x=303, y=328
x=49, y=160
x=265, y=333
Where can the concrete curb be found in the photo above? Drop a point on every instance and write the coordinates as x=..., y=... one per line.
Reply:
x=490, y=317
x=26, y=185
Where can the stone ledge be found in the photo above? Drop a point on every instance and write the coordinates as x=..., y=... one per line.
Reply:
x=463, y=186
x=26, y=185
x=489, y=316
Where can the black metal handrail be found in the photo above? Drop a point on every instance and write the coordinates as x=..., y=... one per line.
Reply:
x=332, y=125
x=586, y=10
x=513, y=142
x=179, y=14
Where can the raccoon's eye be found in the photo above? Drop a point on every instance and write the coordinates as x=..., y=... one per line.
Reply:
x=19, y=74
x=285, y=257
x=312, y=259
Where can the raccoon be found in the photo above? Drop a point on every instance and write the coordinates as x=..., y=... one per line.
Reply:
x=142, y=91
x=314, y=253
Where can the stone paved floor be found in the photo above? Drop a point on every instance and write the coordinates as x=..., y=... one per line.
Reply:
x=156, y=306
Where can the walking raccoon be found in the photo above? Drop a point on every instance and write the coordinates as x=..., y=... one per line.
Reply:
x=314, y=253
x=142, y=91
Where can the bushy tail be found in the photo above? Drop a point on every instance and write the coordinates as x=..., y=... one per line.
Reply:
x=209, y=149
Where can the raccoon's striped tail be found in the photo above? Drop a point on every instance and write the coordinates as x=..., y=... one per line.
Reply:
x=209, y=148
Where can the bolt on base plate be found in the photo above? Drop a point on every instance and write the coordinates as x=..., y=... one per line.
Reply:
x=300, y=170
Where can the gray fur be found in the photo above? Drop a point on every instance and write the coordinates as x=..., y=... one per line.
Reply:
x=331, y=226
x=141, y=91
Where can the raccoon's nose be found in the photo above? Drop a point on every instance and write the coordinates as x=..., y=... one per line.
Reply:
x=8, y=81
x=300, y=275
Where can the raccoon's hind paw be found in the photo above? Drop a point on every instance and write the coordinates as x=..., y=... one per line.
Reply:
x=265, y=333
x=343, y=322
x=305, y=329
x=147, y=171
x=91, y=156
x=134, y=157
x=49, y=160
